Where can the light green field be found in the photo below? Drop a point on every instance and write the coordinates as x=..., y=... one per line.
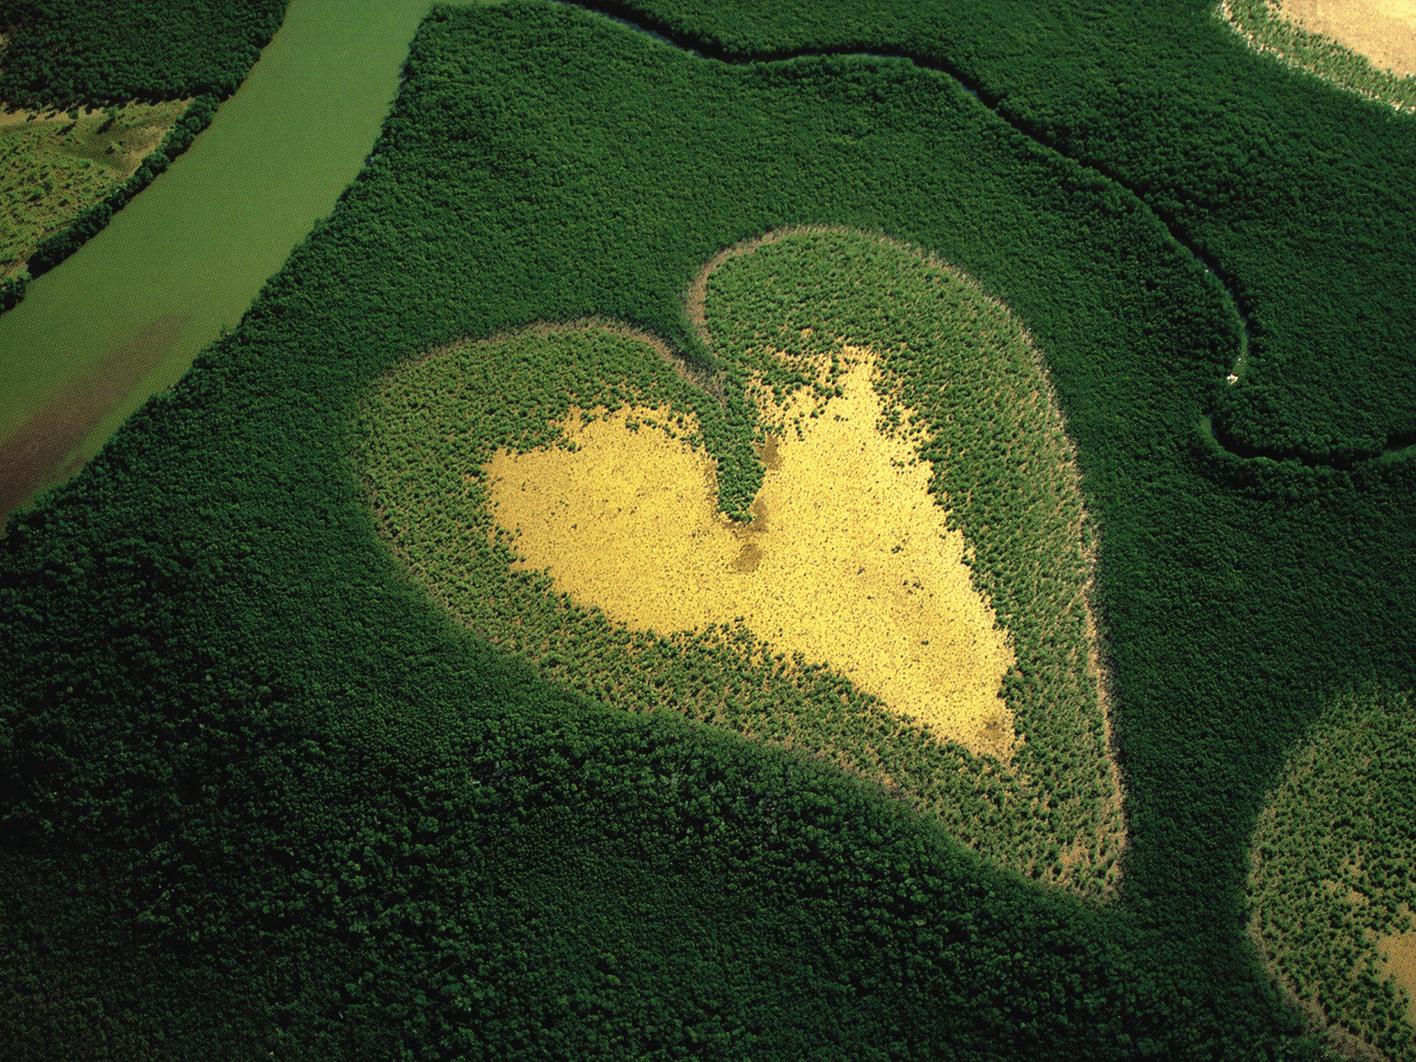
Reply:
x=53, y=167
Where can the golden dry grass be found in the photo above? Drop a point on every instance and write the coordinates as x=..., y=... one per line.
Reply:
x=1399, y=961
x=848, y=560
x=1382, y=30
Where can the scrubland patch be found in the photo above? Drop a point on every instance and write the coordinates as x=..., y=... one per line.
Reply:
x=1398, y=952
x=53, y=167
x=1332, y=887
x=875, y=461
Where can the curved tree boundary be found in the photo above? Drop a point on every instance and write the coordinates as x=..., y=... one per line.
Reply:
x=1211, y=428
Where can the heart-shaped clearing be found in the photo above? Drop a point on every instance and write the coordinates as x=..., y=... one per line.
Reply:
x=901, y=587
x=848, y=560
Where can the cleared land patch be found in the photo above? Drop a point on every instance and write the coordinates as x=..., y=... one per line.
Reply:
x=849, y=371
x=847, y=559
x=1399, y=960
x=1332, y=888
x=1382, y=30
x=54, y=167
x=1366, y=46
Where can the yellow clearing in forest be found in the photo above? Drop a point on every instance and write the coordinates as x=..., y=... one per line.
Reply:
x=1382, y=30
x=848, y=559
x=1398, y=953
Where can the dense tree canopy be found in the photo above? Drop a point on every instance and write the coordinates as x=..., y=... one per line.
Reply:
x=63, y=52
x=1290, y=189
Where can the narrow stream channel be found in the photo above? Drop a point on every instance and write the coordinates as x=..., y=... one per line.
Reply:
x=126, y=315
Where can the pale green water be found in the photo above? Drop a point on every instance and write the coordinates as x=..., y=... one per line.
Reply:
x=200, y=241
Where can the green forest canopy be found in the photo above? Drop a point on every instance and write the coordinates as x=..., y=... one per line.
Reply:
x=65, y=52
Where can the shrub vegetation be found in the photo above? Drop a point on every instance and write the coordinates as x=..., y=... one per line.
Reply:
x=1332, y=886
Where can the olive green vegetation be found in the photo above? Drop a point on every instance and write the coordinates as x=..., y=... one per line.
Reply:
x=1332, y=876
x=1263, y=23
x=54, y=167
x=77, y=53
x=958, y=361
x=261, y=793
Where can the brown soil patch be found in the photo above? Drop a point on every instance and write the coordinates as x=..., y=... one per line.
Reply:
x=35, y=451
x=848, y=560
x=1382, y=30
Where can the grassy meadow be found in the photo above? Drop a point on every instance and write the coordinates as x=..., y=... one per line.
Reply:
x=55, y=167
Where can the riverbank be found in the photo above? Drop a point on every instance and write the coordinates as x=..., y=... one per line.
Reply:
x=200, y=241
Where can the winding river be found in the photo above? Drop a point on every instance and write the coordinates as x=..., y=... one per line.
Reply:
x=126, y=315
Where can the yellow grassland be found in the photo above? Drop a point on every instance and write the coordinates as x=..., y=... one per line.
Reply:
x=848, y=560
x=1382, y=30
